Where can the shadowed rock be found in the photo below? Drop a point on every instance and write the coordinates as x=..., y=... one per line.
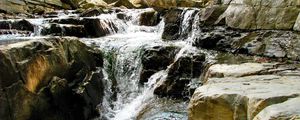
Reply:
x=155, y=59
x=53, y=78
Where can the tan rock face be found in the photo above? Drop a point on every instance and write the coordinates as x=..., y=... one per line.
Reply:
x=288, y=110
x=297, y=24
x=265, y=14
x=252, y=93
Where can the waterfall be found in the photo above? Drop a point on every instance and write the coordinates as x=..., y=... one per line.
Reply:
x=124, y=97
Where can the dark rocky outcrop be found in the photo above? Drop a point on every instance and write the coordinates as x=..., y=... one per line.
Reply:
x=149, y=18
x=92, y=12
x=155, y=59
x=54, y=78
x=269, y=43
x=172, y=24
x=180, y=75
x=87, y=27
x=17, y=25
x=65, y=30
x=99, y=28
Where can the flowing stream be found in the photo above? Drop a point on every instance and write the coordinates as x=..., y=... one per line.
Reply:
x=125, y=98
x=122, y=68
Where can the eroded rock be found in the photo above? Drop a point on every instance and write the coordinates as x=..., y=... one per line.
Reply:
x=155, y=59
x=52, y=78
x=266, y=14
x=98, y=28
x=243, y=91
x=149, y=18
x=172, y=24
x=65, y=30
x=180, y=75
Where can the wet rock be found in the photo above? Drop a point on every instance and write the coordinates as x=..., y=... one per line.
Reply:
x=279, y=44
x=19, y=32
x=74, y=21
x=244, y=91
x=123, y=16
x=268, y=43
x=172, y=24
x=210, y=40
x=23, y=25
x=92, y=12
x=149, y=18
x=50, y=79
x=210, y=15
x=155, y=59
x=98, y=28
x=182, y=3
x=65, y=30
x=180, y=75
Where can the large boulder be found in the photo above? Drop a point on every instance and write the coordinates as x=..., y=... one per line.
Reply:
x=246, y=91
x=264, y=14
x=32, y=6
x=149, y=18
x=54, y=78
x=64, y=30
x=155, y=59
x=22, y=25
x=180, y=76
x=269, y=43
x=97, y=28
x=173, y=21
x=286, y=110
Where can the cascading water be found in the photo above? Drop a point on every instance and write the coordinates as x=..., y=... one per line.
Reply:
x=124, y=97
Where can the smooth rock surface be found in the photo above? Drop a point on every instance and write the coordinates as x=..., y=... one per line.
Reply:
x=286, y=110
x=262, y=14
x=230, y=95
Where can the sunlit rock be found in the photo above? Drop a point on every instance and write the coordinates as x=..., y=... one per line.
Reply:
x=286, y=110
x=265, y=14
x=234, y=92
